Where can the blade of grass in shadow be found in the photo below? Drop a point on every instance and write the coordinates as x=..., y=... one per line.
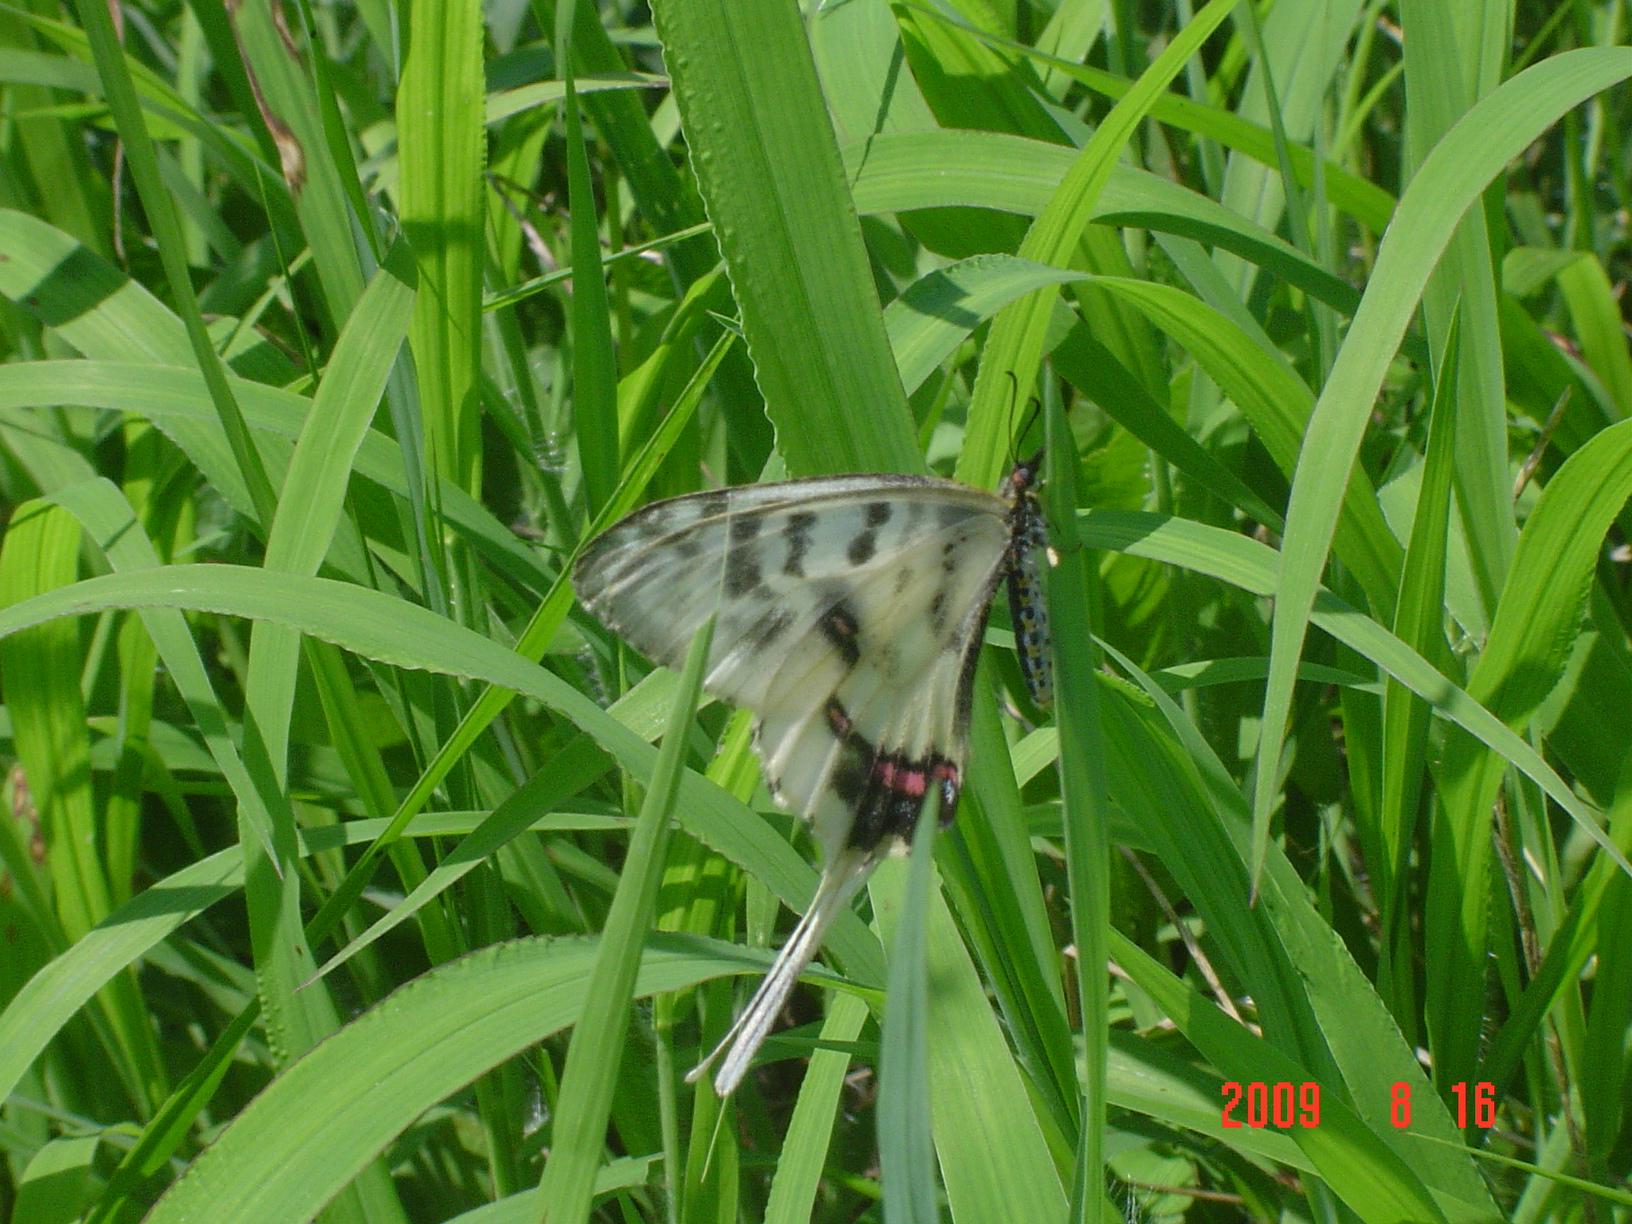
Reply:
x=1595, y=314
x=578, y=1136
x=1604, y=1097
x=500, y=298
x=52, y=743
x=1573, y=944
x=1367, y=202
x=168, y=1130
x=897, y=172
x=1465, y=281
x=1275, y=399
x=989, y=873
x=938, y=311
x=289, y=106
x=157, y=202
x=441, y=147
x=1094, y=370
x=106, y=315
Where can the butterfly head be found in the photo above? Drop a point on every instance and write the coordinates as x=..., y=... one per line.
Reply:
x=1022, y=478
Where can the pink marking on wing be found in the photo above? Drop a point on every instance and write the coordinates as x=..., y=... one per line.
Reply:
x=907, y=779
x=837, y=720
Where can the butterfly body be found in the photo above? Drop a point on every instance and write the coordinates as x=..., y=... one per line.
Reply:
x=1028, y=605
x=849, y=616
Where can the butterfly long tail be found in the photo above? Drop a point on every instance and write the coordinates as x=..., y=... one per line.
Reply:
x=841, y=877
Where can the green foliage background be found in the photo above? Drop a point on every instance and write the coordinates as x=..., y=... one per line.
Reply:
x=338, y=839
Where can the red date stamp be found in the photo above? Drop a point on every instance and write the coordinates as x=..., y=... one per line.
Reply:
x=1281, y=1105
x=1285, y=1105
x=1484, y=1105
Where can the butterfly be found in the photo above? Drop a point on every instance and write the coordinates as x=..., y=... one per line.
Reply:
x=850, y=613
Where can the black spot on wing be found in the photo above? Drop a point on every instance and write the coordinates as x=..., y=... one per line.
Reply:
x=838, y=625
x=865, y=543
x=937, y=614
x=742, y=571
x=797, y=536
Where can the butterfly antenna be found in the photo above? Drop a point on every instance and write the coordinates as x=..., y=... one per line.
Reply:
x=840, y=880
x=1014, y=396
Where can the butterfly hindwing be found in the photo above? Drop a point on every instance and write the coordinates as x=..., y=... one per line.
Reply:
x=850, y=611
x=858, y=758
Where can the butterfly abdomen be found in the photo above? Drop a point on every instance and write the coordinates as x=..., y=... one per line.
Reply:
x=1028, y=595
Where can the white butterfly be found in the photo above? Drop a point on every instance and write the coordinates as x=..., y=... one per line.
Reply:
x=851, y=612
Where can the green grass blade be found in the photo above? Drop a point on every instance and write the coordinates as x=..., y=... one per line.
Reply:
x=805, y=1149
x=383, y=1070
x=1490, y=135
x=579, y=1134
x=769, y=168
x=906, y=1152
x=1008, y=370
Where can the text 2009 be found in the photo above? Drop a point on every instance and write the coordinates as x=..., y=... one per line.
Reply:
x=1281, y=1105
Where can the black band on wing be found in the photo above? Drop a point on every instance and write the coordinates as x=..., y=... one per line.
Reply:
x=885, y=790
